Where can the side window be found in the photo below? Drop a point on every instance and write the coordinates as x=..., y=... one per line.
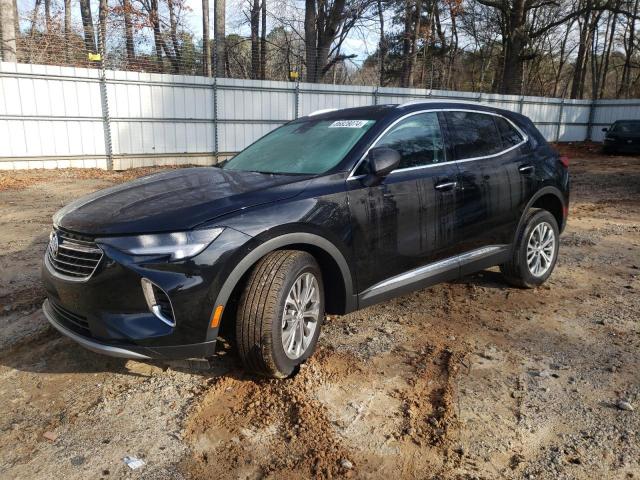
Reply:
x=473, y=134
x=417, y=138
x=510, y=136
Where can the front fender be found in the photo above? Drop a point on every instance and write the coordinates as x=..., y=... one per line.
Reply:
x=260, y=248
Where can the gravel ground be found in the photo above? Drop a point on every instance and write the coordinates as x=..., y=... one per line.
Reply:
x=469, y=379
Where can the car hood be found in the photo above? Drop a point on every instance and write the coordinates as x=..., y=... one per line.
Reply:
x=176, y=200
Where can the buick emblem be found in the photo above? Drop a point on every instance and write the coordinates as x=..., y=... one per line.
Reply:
x=53, y=244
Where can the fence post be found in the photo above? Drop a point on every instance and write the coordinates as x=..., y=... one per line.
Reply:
x=104, y=102
x=215, y=119
x=296, y=99
x=375, y=95
x=592, y=108
x=521, y=105
x=559, y=122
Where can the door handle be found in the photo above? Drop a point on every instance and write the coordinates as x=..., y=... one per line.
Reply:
x=445, y=186
x=526, y=169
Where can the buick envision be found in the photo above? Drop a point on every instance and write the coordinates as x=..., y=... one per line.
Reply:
x=329, y=213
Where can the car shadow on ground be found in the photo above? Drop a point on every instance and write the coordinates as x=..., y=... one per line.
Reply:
x=49, y=352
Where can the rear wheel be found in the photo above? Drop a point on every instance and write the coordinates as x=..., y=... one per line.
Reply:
x=535, y=251
x=280, y=313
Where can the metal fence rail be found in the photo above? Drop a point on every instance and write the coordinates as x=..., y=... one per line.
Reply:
x=54, y=117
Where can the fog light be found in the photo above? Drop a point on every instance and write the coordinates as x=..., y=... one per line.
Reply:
x=158, y=302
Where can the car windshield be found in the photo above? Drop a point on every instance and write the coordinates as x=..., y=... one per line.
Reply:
x=627, y=127
x=303, y=147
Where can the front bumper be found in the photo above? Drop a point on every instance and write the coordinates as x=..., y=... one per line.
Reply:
x=108, y=313
x=199, y=350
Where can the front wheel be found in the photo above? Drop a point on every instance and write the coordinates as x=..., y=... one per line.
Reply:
x=535, y=251
x=280, y=313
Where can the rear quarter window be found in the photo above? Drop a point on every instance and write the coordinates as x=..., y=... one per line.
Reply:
x=510, y=136
x=473, y=134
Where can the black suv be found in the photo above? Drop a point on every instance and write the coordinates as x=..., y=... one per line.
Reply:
x=329, y=213
x=623, y=136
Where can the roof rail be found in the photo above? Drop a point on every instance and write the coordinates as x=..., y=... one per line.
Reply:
x=437, y=100
x=323, y=110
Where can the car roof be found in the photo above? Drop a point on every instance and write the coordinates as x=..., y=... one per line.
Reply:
x=378, y=112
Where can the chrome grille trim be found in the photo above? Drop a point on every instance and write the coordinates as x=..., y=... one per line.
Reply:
x=77, y=257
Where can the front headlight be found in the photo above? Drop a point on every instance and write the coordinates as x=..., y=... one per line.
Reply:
x=178, y=245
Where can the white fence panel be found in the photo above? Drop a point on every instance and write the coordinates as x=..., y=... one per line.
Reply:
x=53, y=116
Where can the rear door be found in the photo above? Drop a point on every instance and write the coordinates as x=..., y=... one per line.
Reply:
x=495, y=174
x=406, y=221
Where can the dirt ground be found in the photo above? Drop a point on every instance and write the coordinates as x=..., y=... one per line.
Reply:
x=470, y=379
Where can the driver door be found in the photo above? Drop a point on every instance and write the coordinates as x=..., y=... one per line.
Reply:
x=407, y=221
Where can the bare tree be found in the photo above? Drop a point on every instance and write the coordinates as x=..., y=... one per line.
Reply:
x=8, y=32
x=263, y=42
x=206, y=45
x=629, y=42
x=128, y=31
x=67, y=30
x=87, y=25
x=219, y=37
x=254, y=22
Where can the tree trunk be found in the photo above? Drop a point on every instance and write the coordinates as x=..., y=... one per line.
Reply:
x=8, y=32
x=206, y=44
x=406, y=46
x=607, y=56
x=263, y=42
x=514, y=45
x=175, y=44
x=255, y=42
x=625, y=84
x=414, y=43
x=87, y=26
x=67, y=31
x=157, y=34
x=47, y=15
x=102, y=24
x=576, y=85
x=128, y=32
x=16, y=18
x=311, y=40
x=219, y=37
x=562, y=59
x=382, y=45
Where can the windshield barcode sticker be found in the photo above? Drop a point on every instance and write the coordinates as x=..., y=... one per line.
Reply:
x=349, y=124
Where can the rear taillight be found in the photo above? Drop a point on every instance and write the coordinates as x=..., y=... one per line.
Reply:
x=564, y=160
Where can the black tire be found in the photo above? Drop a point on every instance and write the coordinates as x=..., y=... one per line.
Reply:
x=516, y=271
x=261, y=308
x=609, y=150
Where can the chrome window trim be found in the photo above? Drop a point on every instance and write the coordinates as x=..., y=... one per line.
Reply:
x=525, y=139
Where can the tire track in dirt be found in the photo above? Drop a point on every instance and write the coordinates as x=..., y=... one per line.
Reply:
x=428, y=405
x=247, y=426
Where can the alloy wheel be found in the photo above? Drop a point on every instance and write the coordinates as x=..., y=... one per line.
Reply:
x=300, y=316
x=540, y=249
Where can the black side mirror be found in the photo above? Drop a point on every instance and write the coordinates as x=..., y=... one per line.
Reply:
x=605, y=129
x=382, y=161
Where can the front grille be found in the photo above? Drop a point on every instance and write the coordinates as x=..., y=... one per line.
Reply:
x=71, y=320
x=73, y=256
